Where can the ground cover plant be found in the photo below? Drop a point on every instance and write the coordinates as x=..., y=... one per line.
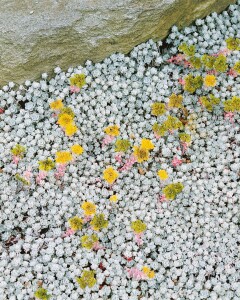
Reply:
x=120, y=180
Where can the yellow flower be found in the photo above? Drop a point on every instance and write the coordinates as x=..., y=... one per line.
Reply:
x=18, y=150
x=65, y=119
x=112, y=130
x=110, y=175
x=158, y=109
x=67, y=110
x=114, y=198
x=77, y=149
x=46, y=164
x=163, y=175
x=99, y=222
x=57, y=104
x=75, y=223
x=210, y=80
x=78, y=80
x=89, y=208
x=71, y=129
x=147, y=144
x=63, y=157
x=138, y=226
x=140, y=153
x=147, y=271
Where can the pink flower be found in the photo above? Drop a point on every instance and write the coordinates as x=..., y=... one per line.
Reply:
x=232, y=73
x=184, y=147
x=1, y=110
x=69, y=232
x=176, y=162
x=74, y=89
x=27, y=174
x=87, y=219
x=61, y=168
x=129, y=163
x=224, y=52
x=187, y=64
x=15, y=159
x=200, y=101
x=157, y=136
x=212, y=72
x=97, y=246
x=107, y=140
x=41, y=176
x=162, y=198
x=118, y=157
x=138, y=238
x=177, y=59
x=181, y=81
x=136, y=273
x=230, y=116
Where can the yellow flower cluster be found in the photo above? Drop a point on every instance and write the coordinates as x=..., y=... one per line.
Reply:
x=148, y=272
x=175, y=101
x=158, y=109
x=89, y=208
x=147, y=144
x=113, y=198
x=46, y=164
x=75, y=223
x=65, y=120
x=78, y=80
x=163, y=175
x=110, y=175
x=63, y=157
x=210, y=80
x=77, y=149
x=141, y=152
x=88, y=241
x=138, y=226
x=99, y=222
x=71, y=129
x=65, y=117
x=57, y=104
x=87, y=279
x=18, y=150
x=112, y=130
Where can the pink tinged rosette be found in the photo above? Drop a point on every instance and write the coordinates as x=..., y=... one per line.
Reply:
x=61, y=169
x=69, y=232
x=136, y=273
x=118, y=157
x=129, y=163
x=232, y=73
x=176, y=162
x=74, y=89
x=41, y=176
x=138, y=238
x=15, y=159
x=107, y=140
x=229, y=116
x=184, y=147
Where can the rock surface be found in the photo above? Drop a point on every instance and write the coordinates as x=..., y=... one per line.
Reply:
x=38, y=35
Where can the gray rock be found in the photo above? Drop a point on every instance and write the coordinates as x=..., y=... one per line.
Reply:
x=38, y=35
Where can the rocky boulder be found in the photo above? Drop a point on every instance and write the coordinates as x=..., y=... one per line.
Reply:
x=38, y=35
